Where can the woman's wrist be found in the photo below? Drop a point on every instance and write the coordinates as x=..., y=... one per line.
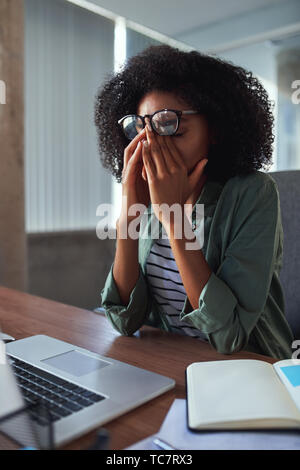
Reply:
x=128, y=227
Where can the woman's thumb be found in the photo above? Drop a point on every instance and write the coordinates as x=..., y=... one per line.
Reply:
x=197, y=172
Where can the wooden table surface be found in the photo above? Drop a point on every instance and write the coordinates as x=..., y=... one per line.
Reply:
x=169, y=354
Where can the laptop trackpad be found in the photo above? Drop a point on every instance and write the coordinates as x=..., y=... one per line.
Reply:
x=75, y=363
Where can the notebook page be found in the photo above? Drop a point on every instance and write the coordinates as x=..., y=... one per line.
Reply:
x=237, y=391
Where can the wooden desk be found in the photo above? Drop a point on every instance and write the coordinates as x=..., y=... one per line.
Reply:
x=168, y=354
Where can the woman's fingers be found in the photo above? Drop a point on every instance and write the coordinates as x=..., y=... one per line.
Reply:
x=144, y=173
x=156, y=153
x=171, y=162
x=129, y=150
x=133, y=162
x=148, y=162
x=169, y=142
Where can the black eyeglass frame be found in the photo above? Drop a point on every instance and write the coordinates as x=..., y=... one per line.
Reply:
x=150, y=116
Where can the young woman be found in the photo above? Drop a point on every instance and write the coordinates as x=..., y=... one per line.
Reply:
x=185, y=129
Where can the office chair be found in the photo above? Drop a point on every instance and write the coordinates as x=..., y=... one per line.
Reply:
x=288, y=183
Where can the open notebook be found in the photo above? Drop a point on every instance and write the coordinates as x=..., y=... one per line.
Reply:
x=243, y=394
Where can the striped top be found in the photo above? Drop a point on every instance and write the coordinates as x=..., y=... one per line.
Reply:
x=166, y=286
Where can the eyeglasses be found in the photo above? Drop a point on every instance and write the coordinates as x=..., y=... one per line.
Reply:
x=163, y=122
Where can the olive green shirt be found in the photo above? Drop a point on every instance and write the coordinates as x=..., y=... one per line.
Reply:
x=242, y=304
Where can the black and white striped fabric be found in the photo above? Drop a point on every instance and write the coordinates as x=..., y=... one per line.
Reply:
x=167, y=287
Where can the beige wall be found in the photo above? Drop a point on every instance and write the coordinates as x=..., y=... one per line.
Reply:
x=13, y=265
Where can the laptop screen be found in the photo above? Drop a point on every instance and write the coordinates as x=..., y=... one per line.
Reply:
x=17, y=429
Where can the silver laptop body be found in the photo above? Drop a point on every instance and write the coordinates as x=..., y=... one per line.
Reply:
x=121, y=386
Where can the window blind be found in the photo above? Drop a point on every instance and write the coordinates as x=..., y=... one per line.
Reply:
x=68, y=52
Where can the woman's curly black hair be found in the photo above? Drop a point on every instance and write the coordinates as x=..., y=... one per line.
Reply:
x=234, y=102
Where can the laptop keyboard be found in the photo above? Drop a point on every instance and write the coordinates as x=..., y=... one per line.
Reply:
x=60, y=397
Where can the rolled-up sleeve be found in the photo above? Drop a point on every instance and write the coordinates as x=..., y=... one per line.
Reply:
x=235, y=295
x=126, y=318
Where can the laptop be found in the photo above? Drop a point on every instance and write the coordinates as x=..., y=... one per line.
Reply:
x=80, y=389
